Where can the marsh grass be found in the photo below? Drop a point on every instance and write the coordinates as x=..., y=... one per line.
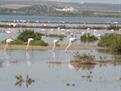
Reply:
x=88, y=38
x=112, y=41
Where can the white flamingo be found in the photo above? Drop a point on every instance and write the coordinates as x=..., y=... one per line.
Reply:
x=82, y=33
x=55, y=42
x=8, y=31
x=8, y=41
x=72, y=39
x=28, y=43
x=95, y=30
x=88, y=28
x=12, y=24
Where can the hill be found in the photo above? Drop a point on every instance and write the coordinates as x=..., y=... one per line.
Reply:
x=51, y=8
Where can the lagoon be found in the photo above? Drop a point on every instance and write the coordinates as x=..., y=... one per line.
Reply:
x=55, y=70
x=58, y=19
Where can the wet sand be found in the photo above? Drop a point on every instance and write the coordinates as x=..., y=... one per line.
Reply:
x=61, y=47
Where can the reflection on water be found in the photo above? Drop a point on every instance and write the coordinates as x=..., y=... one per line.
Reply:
x=88, y=76
x=56, y=71
x=8, y=58
x=29, y=57
x=20, y=80
x=55, y=61
x=78, y=65
x=1, y=63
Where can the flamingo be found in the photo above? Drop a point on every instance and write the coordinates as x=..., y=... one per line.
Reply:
x=8, y=31
x=12, y=24
x=88, y=28
x=55, y=42
x=28, y=43
x=70, y=66
x=82, y=33
x=95, y=30
x=112, y=30
x=8, y=41
x=72, y=39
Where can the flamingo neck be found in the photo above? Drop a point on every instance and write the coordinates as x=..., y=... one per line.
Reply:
x=68, y=46
x=27, y=47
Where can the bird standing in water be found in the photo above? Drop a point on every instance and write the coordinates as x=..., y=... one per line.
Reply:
x=28, y=43
x=8, y=41
x=55, y=43
x=72, y=39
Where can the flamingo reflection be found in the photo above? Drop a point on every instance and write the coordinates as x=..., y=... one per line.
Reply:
x=20, y=80
x=54, y=62
x=29, y=57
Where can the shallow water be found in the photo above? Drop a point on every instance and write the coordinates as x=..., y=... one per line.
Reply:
x=63, y=75
x=77, y=32
x=58, y=19
x=54, y=70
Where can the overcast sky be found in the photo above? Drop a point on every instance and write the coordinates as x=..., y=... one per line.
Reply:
x=95, y=1
x=79, y=1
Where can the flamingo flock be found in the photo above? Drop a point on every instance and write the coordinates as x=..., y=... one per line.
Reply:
x=55, y=41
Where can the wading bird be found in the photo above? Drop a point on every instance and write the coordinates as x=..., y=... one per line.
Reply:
x=8, y=41
x=8, y=31
x=28, y=43
x=55, y=43
x=72, y=39
x=12, y=24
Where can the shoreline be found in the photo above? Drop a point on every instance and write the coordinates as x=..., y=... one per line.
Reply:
x=61, y=47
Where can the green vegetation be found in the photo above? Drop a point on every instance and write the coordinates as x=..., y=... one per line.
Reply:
x=88, y=38
x=61, y=36
x=23, y=38
x=117, y=59
x=111, y=41
x=19, y=42
x=29, y=34
x=39, y=42
x=114, y=27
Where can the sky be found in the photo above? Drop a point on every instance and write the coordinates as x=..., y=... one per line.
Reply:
x=93, y=1
x=79, y=1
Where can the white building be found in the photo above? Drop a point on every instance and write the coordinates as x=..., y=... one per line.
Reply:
x=66, y=9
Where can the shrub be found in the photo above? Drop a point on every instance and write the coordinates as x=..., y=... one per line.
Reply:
x=88, y=38
x=39, y=42
x=23, y=38
x=61, y=36
x=18, y=42
x=29, y=34
x=114, y=27
x=111, y=41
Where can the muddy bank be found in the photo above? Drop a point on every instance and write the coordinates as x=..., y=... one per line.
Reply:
x=65, y=27
x=61, y=47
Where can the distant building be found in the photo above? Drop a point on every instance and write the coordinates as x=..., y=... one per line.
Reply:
x=66, y=9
